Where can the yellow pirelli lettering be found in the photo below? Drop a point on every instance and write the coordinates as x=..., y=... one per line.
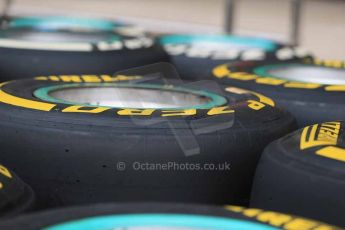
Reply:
x=251, y=212
x=4, y=171
x=171, y=113
x=318, y=61
x=323, y=134
x=88, y=78
x=330, y=63
x=272, y=218
x=270, y=81
x=335, y=88
x=234, y=208
x=54, y=78
x=242, y=76
x=220, y=110
x=83, y=109
x=262, y=98
x=301, y=85
x=70, y=78
x=300, y=224
x=91, y=78
x=25, y=103
x=333, y=63
x=108, y=78
x=221, y=71
x=255, y=105
x=41, y=78
x=280, y=220
x=135, y=112
x=332, y=152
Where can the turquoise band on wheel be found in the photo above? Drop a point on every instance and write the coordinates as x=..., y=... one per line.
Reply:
x=62, y=22
x=215, y=100
x=248, y=42
x=173, y=221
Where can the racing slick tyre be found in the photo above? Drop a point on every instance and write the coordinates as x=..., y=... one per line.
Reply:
x=101, y=138
x=161, y=216
x=16, y=197
x=31, y=47
x=303, y=173
x=313, y=90
x=195, y=56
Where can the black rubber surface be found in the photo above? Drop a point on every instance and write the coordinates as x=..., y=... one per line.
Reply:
x=309, y=102
x=303, y=173
x=77, y=154
x=16, y=197
x=233, y=217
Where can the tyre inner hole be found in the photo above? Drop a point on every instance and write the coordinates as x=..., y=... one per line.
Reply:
x=310, y=74
x=129, y=97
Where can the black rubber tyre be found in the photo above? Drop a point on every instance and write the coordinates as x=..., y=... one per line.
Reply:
x=32, y=47
x=16, y=197
x=196, y=55
x=303, y=173
x=310, y=102
x=161, y=216
x=78, y=147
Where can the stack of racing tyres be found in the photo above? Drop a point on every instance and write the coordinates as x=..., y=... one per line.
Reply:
x=111, y=127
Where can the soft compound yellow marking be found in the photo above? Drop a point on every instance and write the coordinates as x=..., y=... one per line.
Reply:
x=303, y=224
x=71, y=78
x=4, y=171
x=220, y=110
x=333, y=63
x=262, y=98
x=1, y=185
x=41, y=78
x=255, y=105
x=25, y=103
x=88, y=78
x=317, y=61
x=135, y=112
x=242, y=76
x=81, y=109
x=272, y=218
x=54, y=78
x=304, y=143
x=221, y=71
x=270, y=81
x=279, y=220
x=323, y=134
x=234, y=208
x=251, y=212
x=4, y=83
x=108, y=78
x=186, y=112
x=330, y=63
x=91, y=78
x=302, y=85
x=332, y=152
x=335, y=88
